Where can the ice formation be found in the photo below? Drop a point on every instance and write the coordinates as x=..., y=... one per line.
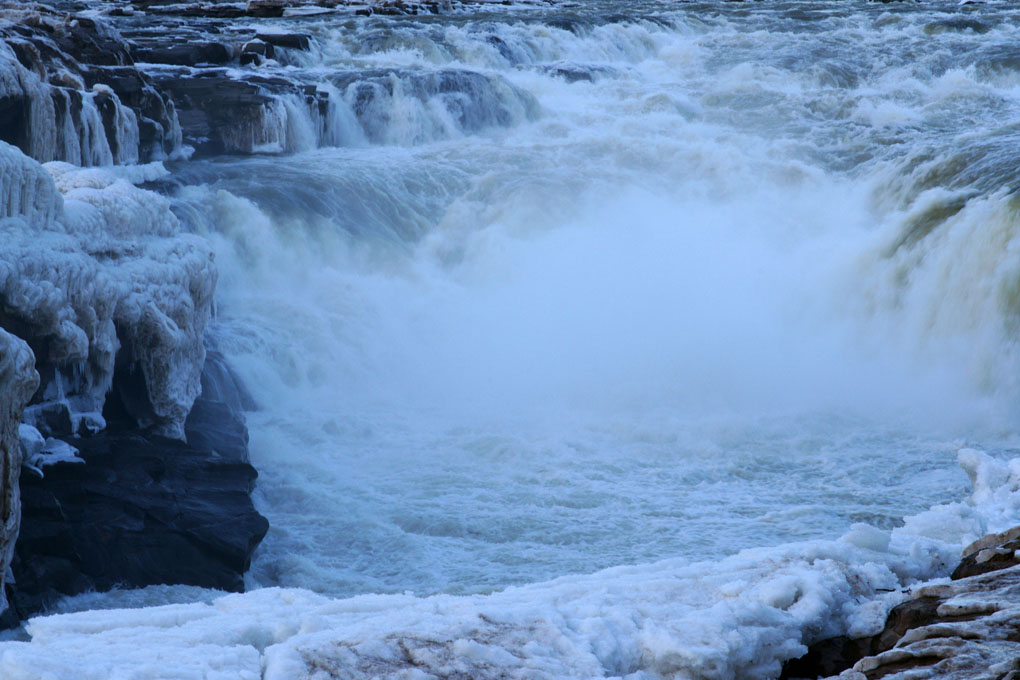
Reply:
x=38, y=451
x=56, y=101
x=739, y=617
x=97, y=267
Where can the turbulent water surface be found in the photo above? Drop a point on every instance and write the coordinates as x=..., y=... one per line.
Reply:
x=552, y=289
x=600, y=285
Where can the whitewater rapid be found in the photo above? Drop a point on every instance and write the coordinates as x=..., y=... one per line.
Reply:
x=541, y=292
x=675, y=310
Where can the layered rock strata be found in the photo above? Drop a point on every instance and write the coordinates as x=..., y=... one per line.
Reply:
x=109, y=87
x=963, y=628
x=69, y=91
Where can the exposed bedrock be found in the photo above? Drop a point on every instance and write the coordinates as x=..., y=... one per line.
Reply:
x=110, y=88
x=230, y=9
x=222, y=112
x=964, y=629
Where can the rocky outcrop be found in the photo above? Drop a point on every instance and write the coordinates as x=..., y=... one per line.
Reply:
x=129, y=478
x=963, y=629
x=69, y=91
x=141, y=510
x=109, y=88
x=18, y=379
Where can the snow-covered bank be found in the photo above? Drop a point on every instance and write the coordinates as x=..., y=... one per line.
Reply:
x=739, y=617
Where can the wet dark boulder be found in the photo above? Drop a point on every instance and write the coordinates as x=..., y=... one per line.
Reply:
x=191, y=53
x=983, y=557
x=256, y=51
x=957, y=25
x=265, y=8
x=140, y=510
x=294, y=41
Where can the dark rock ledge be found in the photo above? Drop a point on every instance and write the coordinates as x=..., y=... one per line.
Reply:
x=966, y=629
x=142, y=509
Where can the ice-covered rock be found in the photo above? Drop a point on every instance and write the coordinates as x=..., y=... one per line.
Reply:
x=18, y=380
x=52, y=452
x=38, y=451
x=101, y=274
x=965, y=629
x=992, y=507
x=69, y=91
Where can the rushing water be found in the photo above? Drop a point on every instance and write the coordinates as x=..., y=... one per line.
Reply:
x=632, y=282
x=701, y=277
x=550, y=290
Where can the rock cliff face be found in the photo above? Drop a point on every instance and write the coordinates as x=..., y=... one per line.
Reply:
x=140, y=509
x=104, y=305
x=110, y=87
x=69, y=92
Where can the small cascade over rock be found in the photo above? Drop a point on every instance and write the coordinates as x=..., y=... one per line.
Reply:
x=69, y=91
x=99, y=91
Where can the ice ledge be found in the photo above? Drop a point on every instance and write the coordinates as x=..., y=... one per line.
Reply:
x=95, y=274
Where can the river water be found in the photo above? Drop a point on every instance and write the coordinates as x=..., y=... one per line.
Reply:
x=671, y=282
x=552, y=289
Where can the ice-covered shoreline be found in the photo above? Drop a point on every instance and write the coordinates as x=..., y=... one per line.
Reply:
x=738, y=617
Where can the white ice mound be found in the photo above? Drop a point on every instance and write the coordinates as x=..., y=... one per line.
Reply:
x=98, y=264
x=738, y=617
x=993, y=507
